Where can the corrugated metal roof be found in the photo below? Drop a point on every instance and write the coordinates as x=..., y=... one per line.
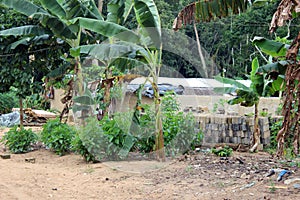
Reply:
x=189, y=82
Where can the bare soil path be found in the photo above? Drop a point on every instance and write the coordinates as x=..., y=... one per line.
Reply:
x=201, y=176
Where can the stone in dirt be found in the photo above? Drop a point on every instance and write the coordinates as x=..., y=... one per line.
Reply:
x=293, y=180
x=30, y=160
x=5, y=156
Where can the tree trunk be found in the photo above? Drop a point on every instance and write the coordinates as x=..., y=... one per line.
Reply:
x=256, y=134
x=21, y=113
x=204, y=68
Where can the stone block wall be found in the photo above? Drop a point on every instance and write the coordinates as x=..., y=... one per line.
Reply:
x=232, y=129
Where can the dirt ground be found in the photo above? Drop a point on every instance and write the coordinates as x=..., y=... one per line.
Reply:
x=202, y=176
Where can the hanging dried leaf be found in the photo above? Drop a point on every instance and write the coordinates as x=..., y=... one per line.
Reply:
x=284, y=12
x=207, y=10
x=291, y=104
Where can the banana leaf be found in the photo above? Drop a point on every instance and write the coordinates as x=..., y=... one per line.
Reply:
x=28, y=30
x=148, y=18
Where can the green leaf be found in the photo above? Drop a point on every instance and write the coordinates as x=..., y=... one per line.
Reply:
x=109, y=52
x=224, y=90
x=108, y=29
x=58, y=27
x=28, y=30
x=148, y=18
x=118, y=10
x=54, y=7
x=25, y=7
x=270, y=47
x=75, y=52
x=255, y=66
x=232, y=82
x=279, y=67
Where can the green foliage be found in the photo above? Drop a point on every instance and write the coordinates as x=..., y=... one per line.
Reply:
x=7, y=102
x=19, y=140
x=91, y=142
x=57, y=136
x=121, y=141
x=222, y=152
x=114, y=138
x=36, y=101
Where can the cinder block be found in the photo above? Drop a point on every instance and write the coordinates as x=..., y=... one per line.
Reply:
x=214, y=127
x=245, y=141
x=235, y=120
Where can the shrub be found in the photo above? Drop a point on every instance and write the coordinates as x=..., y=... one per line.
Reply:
x=178, y=127
x=57, y=136
x=90, y=141
x=120, y=139
x=19, y=140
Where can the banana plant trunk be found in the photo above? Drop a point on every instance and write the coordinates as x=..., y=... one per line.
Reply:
x=256, y=133
x=159, y=138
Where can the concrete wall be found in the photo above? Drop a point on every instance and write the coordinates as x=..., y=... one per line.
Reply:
x=271, y=103
x=191, y=101
x=231, y=129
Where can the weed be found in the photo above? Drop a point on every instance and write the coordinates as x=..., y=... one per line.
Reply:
x=272, y=187
x=222, y=152
x=19, y=140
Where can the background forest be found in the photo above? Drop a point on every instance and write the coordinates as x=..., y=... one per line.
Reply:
x=226, y=42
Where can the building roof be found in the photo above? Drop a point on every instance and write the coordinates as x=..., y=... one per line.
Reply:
x=188, y=82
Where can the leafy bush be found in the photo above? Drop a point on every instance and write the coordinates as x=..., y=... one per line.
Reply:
x=114, y=138
x=57, y=136
x=19, y=140
x=178, y=127
x=7, y=102
x=120, y=139
x=90, y=141
x=222, y=152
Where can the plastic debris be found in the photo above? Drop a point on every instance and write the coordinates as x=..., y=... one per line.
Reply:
x=10, y=119
x=282, y=173
x=247, y=186
x=273, y=171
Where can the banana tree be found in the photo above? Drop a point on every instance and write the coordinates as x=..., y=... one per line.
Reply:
x=286, y=72
x=70, y=21
x=260, y=86
x=143, y=51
